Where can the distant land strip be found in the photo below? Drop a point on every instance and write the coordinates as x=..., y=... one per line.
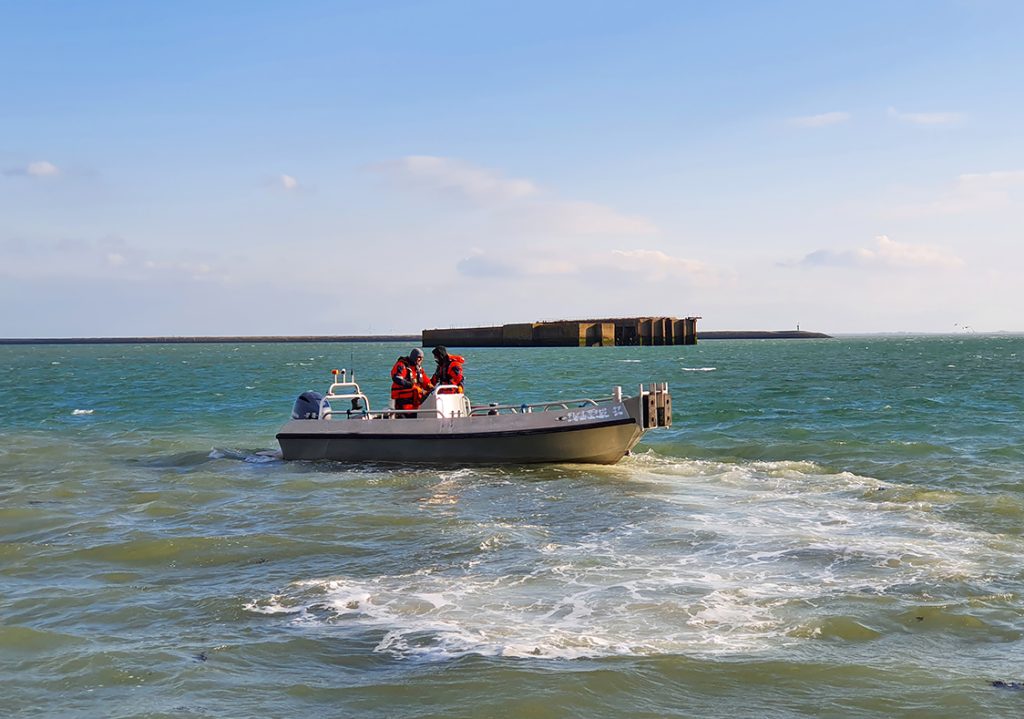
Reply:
x=414, y=338
x=761, y=335
x=201, y=340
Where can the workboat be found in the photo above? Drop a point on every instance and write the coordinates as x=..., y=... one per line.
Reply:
x=447, y=429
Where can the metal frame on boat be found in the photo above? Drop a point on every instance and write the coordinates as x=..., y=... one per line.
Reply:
x=448, y=429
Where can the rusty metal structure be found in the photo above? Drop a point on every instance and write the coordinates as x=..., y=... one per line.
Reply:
x=608, y=332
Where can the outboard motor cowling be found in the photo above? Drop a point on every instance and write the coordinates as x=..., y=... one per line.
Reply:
x=307, y=406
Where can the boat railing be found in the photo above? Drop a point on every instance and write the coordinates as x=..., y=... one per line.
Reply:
x=360, y=407
x=339, y=392
x=528, y=407
x=655, y=397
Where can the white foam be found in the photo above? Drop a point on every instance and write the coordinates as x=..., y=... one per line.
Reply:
x=79, y=412
x=698, y=369
x=271, y=606
x=263, y=456
x=560, y=612
x=259, y=457
x=730, y=558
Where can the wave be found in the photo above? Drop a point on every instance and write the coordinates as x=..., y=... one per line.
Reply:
x=253, y=456
x=698, y=369
x=718, y=559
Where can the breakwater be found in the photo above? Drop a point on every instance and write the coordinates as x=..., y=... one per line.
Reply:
x=204, y=340
x=541, y=334
x=762, y=335
x=608, y=332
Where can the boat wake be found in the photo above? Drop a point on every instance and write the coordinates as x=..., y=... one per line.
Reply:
x=683, y=557
x=252, y=456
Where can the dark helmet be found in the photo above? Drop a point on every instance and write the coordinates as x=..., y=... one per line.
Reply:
x=416, y=353
x=440, y=354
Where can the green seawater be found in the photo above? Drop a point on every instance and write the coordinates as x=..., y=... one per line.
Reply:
x=830, y=528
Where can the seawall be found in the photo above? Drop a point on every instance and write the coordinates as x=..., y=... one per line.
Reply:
x=465, y=337
x=201, y=340
x=761, y=335
x=605, y=332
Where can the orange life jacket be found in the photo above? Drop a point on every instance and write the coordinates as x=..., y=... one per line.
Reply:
x=418, y=385
x=450, y=374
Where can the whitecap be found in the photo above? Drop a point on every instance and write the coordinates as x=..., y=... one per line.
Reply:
x=79, y=412
x=731, y=558
x=698, y=369
x=261, y=456
x=271, y=606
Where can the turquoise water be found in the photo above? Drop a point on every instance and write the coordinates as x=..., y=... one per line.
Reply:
x=831, y=528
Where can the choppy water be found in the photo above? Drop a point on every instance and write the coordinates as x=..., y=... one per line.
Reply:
x=831, y=528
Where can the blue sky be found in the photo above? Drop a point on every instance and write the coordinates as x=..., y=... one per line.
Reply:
x=200, y=168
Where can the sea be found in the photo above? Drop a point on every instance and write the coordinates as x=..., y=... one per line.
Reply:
x=829, y=528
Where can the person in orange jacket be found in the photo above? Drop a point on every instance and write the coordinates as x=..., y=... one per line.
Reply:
x=449, y=370
x=409, y=383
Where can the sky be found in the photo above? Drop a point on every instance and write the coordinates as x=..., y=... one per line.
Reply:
x=268, y=168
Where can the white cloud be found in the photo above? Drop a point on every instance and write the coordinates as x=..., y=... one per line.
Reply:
x=822, y=120
x=518, y=205
x=1001, y=178
x=104, y=257
x=972, y=192
x=42, y=169
x=449, y=175
x=502, y=265
x=288, y=182
x=584, y=218
x=928, y=118
x=39, y=168
x=638, y=266
x=897, y=254
x=657, y=266
x=188, y=269
x=886, y=253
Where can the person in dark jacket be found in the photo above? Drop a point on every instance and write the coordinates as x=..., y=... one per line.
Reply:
x=449, y=370
x=409, y=383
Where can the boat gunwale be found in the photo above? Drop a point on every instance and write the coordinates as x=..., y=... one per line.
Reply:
x=330, y=433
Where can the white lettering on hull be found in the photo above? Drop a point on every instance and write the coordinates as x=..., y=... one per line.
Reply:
x=591, y=414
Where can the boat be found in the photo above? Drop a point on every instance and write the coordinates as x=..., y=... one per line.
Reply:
x=448, y=430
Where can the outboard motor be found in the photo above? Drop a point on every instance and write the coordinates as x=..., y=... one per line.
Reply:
x=307, y=406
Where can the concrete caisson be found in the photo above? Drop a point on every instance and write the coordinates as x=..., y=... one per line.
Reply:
x=605, y=332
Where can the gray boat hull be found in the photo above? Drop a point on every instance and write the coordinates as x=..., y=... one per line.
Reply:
x=593, y=435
